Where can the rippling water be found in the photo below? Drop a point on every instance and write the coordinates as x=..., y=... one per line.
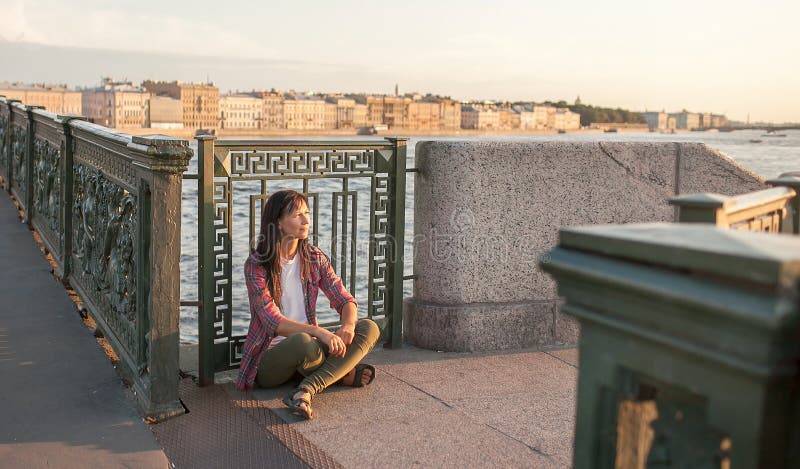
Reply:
x=769, y=158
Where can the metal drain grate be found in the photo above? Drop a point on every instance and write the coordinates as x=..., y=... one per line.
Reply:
x=217, y=433
x=291, y=438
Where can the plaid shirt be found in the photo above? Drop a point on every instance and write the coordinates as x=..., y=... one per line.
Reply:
x=265, y=315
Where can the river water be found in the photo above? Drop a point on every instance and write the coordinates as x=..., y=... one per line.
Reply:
x=769, y=158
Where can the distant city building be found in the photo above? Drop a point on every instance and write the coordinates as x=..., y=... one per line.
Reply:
x=423, y=115
x=563, y=119
x=508, y=119
x=389, y=110
x=360, y=115
x=345, y=112
x=165, y=113
x=718, y=120
x=240, y=111
x=532, y=117
x=330, y=115
x=116, y=104
x=200, y=101
x=686, y=120
x=304, y=112
x=272, y=110
x=656, y=120
x=58, y=99
x=449, y=114
x=705, y=120
x=479, y=117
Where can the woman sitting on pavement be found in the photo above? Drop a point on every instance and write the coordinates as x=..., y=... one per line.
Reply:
x=284, y=274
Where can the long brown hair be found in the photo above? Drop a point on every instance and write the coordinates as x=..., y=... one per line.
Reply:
x=268, y=244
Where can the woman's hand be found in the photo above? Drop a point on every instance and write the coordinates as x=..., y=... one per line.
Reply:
x=347, y=332
x=336, y=346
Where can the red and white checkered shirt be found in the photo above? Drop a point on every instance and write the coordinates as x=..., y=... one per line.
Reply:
x=265, y=315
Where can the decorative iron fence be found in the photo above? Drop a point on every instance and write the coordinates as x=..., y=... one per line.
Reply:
x=235, y=179
x=5, y=130
x=107, y=207
x=18, y=148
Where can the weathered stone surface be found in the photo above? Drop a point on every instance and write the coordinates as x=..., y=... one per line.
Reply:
x=479, y=326
x=485, y=212
x=704, y=169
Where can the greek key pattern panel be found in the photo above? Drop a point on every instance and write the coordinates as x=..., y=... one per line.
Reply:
x=114, y=165
x=105, y=243
x=380, y=248
x=235, y=349
x=47, y=191
x=3, y=135
x=291, y=162
x=222, y=258
x=345, y=213
x=19, y=170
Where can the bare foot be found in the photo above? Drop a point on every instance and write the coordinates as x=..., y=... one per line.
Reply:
x=366, y=377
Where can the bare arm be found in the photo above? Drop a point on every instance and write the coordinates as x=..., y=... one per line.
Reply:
x=334, y=343
x=349, y=317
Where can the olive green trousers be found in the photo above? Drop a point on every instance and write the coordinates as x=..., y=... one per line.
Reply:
x=301, y=353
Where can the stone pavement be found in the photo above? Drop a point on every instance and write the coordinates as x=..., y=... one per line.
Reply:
x=431, y=409
x=62, y=404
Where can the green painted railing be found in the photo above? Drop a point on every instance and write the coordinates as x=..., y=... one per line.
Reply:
x=689, y=350
x=249, y=169
x=771, y=210
x=107, y=207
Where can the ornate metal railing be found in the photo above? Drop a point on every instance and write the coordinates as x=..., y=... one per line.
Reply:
x=5, y=130
x=235, y=180
x=107, y=207
x=772, y=210
x=19, y=166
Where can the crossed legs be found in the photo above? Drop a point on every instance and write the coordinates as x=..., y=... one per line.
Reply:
x=301, y=353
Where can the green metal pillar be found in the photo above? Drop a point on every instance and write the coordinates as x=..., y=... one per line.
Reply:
x=397, y=219
x=695, y=322
x=29, y=165
x=67, y=178
x=206, y=258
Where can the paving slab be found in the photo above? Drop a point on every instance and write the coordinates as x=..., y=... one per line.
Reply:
x=430, y=409
x=63, y=403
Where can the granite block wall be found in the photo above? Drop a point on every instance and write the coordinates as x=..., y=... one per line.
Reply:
x=485, y=212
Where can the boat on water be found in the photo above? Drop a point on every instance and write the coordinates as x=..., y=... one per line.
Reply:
x=772, y=133
x=755, y=140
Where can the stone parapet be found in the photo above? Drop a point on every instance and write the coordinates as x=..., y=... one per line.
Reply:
x=486, y=212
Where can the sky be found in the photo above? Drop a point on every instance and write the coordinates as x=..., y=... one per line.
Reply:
x=737, y=58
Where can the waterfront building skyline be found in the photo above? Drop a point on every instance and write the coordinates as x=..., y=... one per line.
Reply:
x=178, y=105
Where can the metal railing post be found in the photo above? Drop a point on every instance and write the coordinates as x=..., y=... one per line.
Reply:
x=397, y=217
x=206, y=263
x=29, y=165
x=9, y=144
x=67, y=194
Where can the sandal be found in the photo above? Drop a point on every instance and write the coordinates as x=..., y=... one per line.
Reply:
x=357, y=381
x=300, y=406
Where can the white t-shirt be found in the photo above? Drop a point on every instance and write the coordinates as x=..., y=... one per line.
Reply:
x=293, y=303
